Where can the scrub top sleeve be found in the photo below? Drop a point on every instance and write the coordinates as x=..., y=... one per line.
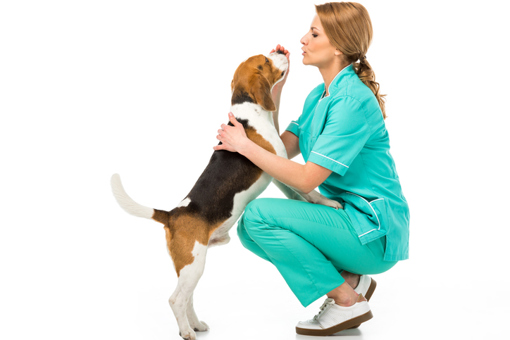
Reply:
x=293, y=127
x=345, y=133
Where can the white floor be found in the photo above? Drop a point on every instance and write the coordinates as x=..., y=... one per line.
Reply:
x=109, y=276
x=252, y=301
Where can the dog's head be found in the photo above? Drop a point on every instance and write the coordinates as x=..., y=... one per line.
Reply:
x=255, y=77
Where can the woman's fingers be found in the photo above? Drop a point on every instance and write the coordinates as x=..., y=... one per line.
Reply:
x=281, y=48
x=219, y=147
x=284, y=50
x=233, y=119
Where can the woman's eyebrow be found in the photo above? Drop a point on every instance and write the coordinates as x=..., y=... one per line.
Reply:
x=314, y=28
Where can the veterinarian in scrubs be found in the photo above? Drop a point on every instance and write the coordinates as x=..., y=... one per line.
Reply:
x=342, y=137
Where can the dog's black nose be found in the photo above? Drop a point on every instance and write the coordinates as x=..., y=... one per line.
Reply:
x=280, y=52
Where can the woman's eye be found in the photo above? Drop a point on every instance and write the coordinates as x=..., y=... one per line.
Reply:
x=314, y=35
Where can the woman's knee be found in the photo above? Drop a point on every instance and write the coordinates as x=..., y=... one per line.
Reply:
x=259, y=205
x=255, y=211
x=241, y=232
x=254, y=220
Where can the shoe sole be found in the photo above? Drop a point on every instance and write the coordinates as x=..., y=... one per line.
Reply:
x=337, y=328
x=370, y=291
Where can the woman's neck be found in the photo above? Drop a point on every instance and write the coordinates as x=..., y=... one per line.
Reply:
x=329, y=73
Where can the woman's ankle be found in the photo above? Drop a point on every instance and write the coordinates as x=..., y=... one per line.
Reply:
x=350, y=278
x=343, y=295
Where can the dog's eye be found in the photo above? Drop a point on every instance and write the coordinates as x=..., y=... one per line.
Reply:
x=267, y=60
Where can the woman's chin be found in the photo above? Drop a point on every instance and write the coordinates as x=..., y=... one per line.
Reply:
x=307, y=61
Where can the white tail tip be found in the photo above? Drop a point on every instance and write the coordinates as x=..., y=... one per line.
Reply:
x=126, y=202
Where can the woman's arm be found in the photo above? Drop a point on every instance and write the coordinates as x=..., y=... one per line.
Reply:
x=291, y=142
x=276, y=92
x=302, y=177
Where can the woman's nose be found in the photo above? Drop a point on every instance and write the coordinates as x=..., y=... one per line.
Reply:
x=303, y=40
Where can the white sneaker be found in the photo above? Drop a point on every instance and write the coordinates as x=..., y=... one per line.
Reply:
x=333, y=318
x=366, y=286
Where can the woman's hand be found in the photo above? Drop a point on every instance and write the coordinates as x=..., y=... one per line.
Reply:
x=233, y=138
x=277, y=89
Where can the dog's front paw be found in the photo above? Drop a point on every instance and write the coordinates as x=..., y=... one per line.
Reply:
x=200, y=327
x=188, y=334
x=331, y=203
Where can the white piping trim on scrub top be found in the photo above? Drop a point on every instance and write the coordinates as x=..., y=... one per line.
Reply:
x=330, y=159
x=333, y=81
x=370, y=208
x=294, y=123
x=367, y=232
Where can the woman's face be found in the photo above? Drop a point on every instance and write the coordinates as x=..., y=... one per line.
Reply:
x=317, y=50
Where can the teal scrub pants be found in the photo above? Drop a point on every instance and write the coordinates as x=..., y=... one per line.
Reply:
x=309, y=244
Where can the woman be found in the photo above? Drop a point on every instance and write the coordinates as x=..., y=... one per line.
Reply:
x=342, y=137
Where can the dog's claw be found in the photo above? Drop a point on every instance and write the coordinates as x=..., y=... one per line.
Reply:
x=201, y=328
x=190, y=336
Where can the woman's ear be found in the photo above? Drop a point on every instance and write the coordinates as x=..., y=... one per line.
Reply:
x=261, y=92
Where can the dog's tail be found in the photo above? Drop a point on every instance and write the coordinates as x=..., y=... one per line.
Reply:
x=133, y=208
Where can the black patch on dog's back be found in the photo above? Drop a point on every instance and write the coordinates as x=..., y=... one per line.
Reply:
x=227, y=173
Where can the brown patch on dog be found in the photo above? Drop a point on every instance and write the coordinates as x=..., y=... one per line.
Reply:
x=254, y=136
x=160, y=216
x=182, y=232
x=168, y=236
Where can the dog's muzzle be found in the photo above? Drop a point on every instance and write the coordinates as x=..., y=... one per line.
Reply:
x=279, y=60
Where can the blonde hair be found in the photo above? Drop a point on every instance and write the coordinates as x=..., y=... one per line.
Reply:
x=349, y=29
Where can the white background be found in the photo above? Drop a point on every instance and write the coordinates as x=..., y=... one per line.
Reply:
x=90, y=88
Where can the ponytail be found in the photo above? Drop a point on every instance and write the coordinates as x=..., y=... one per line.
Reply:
x=367, y=76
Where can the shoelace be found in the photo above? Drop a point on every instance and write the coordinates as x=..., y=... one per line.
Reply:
x=325, y=306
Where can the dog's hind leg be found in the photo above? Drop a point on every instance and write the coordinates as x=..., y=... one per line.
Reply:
x=189, y=274
x=197, y=325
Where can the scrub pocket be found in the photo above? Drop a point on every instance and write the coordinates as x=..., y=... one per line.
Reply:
x=369, y=218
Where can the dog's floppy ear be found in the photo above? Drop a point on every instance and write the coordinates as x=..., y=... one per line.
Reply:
x=261, y=91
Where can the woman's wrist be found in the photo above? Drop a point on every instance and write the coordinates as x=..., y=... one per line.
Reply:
x=276, y=94
x=244, y=146
x=276, y=99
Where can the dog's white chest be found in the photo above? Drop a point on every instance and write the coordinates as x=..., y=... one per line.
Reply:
x=262, y=122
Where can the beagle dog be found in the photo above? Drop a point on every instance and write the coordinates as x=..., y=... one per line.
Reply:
x=229, y=182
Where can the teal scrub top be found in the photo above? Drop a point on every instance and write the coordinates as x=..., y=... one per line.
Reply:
x=345, y=133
